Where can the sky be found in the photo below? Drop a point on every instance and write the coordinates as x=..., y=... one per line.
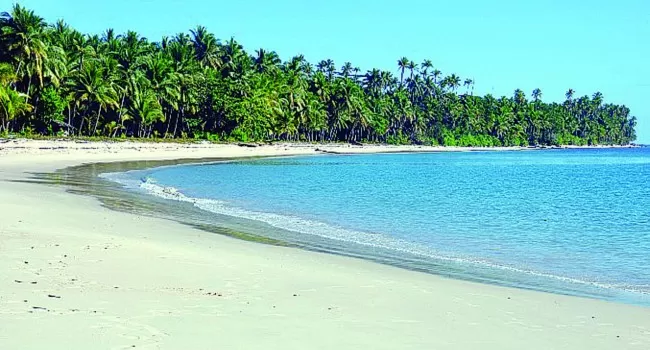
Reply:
x=554, y=45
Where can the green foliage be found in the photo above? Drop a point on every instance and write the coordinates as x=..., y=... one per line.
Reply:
x=51, y=105
x=238, y=135
x=55, y=80
x=448, y=138
x=478, y=141
x=398, y=139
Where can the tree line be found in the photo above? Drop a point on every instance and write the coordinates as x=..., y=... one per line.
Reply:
x=55, y=80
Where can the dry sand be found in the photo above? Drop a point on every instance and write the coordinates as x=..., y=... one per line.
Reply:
x=75, y=275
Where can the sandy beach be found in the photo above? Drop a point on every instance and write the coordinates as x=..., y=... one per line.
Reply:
x=76, y=275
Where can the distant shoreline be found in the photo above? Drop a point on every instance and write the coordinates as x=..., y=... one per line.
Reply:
x=46, y=146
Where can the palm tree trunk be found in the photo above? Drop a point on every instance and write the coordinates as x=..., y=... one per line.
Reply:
x=69, y=121
x=180, y=112
x=74, y=116
x=169, y=123
x=29, y=86
x=119, y=115
x=81, y=125
x=18, y=69
x=99, y=113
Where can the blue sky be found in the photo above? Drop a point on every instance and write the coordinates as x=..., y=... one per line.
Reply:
x=554, y=45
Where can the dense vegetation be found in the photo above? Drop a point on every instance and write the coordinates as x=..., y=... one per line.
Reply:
x=55, y=80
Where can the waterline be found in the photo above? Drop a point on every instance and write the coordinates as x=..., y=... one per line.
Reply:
x=154, y=199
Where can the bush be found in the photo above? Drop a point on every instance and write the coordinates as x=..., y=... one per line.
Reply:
x=50, y=109
x=238, y=135
x=398, y=139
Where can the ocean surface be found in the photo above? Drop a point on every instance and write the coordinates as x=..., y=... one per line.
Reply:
x=573, y=222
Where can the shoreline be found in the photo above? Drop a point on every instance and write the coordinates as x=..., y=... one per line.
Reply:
x=257, y=230
x=128, y=273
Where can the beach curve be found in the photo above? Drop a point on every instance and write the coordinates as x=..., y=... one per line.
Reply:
x=79, y=275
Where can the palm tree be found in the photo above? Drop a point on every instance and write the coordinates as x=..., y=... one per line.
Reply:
x=91, y=86
x=295, y=64
x=131, y=50
x=372, y=82
x=163, y=78
x=205, y=89
x=468, y=83
x=436, y=75
x=569, y=95
x=403, y=64
x=426, y=65
x=144, y=107
x=265, y=61
x=206, y=47
x=519, y=97
x=327, y=68
x=356, y=71
x=346, y=70
x=453, y=82
x=597, y=99
x=12, y=103
x=232, y=57
x=23, y=42
x=412, y=66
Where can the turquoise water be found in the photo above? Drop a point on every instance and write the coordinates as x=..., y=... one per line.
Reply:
x=566, y=221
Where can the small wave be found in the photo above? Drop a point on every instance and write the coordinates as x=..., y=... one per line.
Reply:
x=367, y=239
x=373, y=240
x=123, y=178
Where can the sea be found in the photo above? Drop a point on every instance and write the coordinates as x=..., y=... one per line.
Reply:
x=569, y=221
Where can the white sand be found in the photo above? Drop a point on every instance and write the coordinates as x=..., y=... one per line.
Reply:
x=119, y=280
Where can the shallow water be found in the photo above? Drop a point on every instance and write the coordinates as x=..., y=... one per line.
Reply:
x=566, y=221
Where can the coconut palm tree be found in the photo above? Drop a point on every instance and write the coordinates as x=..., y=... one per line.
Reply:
x=164, y=83
x=373, y=82
x=265, y=62
x=23, y=42
x=144, y=108
x=112, y=82
x=403, y=64
x=91, y=86
x=569, y=95
x=469, y=84
x=12, y=103
x=327, y=67
x=453, y=82
x=346, y=70
x=436, y=74
x=412, y=66
x=206, y=47
x=232, y=55
x=426, y=65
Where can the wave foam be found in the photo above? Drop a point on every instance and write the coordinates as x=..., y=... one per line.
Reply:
x=304, y=226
